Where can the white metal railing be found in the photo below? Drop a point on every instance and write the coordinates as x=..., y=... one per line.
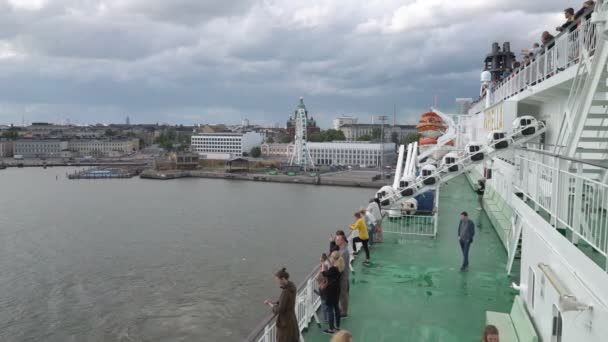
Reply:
x=422, y=224
x=563, y=52
x=571, y=200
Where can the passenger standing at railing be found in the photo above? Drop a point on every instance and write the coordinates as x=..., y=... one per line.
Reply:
x=345, y=276
x=363, y=237
x=370, y=222
x=481, y=188
x=286, y=322
x=332, y=240
x=374, y=208
x=330, y=290
x=569, y=15
x=548, y=40
x=588, y=7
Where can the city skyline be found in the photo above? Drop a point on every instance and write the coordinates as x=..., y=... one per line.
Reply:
x=192, y=61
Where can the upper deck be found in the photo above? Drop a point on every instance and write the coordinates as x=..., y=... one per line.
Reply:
x=414, y=291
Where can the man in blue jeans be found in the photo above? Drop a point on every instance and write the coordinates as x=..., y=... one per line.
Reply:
x=466, y=232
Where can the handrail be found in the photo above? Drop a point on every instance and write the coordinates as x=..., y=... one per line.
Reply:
x=576, y=160
x=559, y=54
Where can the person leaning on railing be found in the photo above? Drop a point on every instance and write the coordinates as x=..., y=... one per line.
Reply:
x=330, y=290
x=569, y=15
x=363, y=237
x=548, y=40
x=287, y=322
x=585, y=11
x=342, y=248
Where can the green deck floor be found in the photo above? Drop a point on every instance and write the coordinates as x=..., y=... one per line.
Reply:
x=414, y=291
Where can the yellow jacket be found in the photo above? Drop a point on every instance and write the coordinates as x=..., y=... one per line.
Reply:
x=361, y=227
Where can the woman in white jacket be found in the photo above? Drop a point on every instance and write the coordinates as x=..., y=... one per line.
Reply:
x=375, y=210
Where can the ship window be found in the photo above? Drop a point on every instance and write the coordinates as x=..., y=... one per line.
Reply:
x=542, y=286
x=556, y=334
x=531, y=287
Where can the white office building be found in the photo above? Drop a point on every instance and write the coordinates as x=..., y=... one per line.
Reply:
x=351, y=153
x=337, y=153
x=225, y=145
x=344, y=120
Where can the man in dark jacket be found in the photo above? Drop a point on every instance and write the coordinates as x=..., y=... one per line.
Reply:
x=466, y=232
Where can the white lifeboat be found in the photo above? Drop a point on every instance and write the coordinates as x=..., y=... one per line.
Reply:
x=526, y=125
x=386, y=195
x=474, y=150
x=426, y=174
x=407, y=185
x=498, y=139
x=410, y=206
x=449, y=162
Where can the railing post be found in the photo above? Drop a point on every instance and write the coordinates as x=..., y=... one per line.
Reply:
x=555, y=192
x=267, y=333
x=578, y=198
x=435, y=214
x=308, y=309
x=536, y=180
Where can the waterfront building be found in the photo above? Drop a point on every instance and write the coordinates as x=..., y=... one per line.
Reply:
x=344, y=120
x=355, y=131
x=6, y=148
x=103, y=148
x=47, y=148
x=225, y=145
x=351, y=153
x=337, y=152
x=279, y=151
x=185, y=160
x=57, y=148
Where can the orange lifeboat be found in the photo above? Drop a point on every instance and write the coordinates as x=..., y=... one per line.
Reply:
x=431, y=125
x=427, y=141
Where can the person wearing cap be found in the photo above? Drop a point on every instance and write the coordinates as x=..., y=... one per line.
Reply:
x=363, y=237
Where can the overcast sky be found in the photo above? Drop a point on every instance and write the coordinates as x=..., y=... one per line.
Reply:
x=204, y=61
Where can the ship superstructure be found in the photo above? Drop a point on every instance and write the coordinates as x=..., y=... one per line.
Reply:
x=538, y=139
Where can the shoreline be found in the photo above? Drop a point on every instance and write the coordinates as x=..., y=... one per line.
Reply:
x=300, y=179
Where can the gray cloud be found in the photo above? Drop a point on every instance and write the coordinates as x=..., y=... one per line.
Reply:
x=196, y=61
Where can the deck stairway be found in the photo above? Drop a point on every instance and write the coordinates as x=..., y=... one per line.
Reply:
x=584, y=130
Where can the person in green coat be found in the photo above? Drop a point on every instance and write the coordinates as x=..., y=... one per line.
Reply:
x=286, y=322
